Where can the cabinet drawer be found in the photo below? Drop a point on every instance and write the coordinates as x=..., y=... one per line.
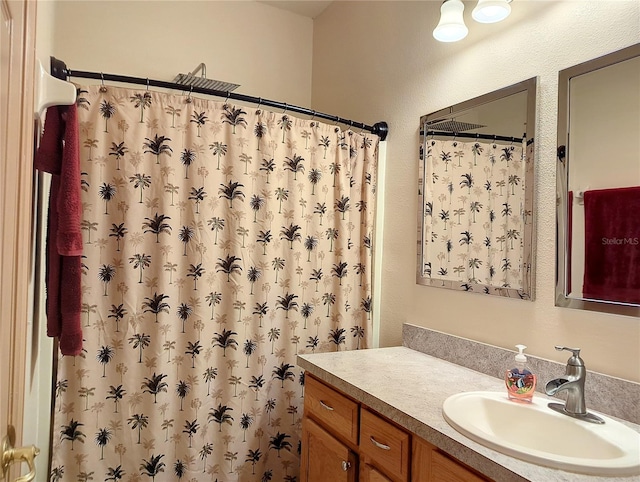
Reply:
x=385, y=444
x=338, y=413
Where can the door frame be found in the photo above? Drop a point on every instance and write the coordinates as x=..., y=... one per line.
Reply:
x=16, y=215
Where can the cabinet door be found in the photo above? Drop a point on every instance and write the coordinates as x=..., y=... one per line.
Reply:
x=428, y=464
x=444, y=469
x=370, y=474
x=323, y=457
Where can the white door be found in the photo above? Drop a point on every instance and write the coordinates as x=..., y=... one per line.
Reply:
x=17, y=56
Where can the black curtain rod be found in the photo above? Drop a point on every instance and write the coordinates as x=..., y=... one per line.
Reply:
x=469, y=135
x=59, y=70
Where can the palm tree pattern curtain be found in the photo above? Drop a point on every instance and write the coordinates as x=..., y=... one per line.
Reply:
x=474, y=219
x=220, y=241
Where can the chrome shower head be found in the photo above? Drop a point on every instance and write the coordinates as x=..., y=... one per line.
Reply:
x=201, y=81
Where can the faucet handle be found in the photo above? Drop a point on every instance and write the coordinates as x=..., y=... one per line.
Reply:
x=575, y=359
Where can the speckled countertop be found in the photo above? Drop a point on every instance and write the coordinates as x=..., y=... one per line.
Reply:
x=409, y=388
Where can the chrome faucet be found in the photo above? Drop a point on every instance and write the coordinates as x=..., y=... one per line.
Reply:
x=573, y=384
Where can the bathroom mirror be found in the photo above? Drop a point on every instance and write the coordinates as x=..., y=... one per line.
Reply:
x=475, y=188
x=598, y=184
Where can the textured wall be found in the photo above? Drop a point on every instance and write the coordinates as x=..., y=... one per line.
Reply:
x=378, y=60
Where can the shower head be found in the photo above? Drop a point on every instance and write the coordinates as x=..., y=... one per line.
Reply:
x=202, y=82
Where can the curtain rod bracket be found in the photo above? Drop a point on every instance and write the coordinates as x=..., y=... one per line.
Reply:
x=381, y=129
x=58, y=69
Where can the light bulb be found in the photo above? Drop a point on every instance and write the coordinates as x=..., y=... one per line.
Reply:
x=451, y=27
x=491, y=11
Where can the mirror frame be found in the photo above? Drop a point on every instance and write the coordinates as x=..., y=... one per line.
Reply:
x=528, y=86
x=562, y=182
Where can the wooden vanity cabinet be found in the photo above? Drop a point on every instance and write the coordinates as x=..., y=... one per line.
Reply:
x=344, y=441
x=329, y=435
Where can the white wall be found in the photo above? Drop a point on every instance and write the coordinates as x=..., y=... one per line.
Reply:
x=266, y=50
x=44, y=31
x=378, y=61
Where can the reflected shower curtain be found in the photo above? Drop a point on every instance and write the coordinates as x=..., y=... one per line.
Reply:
x=475, y=218
x=220, y=241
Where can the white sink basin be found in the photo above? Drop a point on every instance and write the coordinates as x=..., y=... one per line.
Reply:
x=535, y=433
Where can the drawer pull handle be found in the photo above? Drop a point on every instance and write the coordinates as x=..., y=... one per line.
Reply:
x=325, y=406
x=346, y=465
x=378, y=444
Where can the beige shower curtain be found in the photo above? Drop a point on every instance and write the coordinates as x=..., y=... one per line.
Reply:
x=220, y=241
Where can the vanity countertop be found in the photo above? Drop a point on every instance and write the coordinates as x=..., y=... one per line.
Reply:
x=409, y=387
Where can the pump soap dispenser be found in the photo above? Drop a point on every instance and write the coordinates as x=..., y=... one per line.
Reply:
x=521, y=383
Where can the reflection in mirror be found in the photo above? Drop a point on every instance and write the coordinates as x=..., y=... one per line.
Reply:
x=476, y=177
x=598, y=184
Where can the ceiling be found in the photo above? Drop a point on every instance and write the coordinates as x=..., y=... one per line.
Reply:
x=306, y=8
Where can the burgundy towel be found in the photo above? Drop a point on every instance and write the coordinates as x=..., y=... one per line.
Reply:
x=58, y=154
x=612, y=245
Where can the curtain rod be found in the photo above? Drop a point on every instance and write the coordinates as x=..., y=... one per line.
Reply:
x=59, y=70
x=469, y=135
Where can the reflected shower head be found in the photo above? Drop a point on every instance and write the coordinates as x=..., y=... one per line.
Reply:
x=451, y=125
x=202, y=82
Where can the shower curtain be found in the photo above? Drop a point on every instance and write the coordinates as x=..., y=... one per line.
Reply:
x=475, y=218
x=220, y=240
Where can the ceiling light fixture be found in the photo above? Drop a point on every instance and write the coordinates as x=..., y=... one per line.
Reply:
x=491, y=11
x=451, y=27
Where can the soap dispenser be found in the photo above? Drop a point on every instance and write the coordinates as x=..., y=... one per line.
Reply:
x=521, y=383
